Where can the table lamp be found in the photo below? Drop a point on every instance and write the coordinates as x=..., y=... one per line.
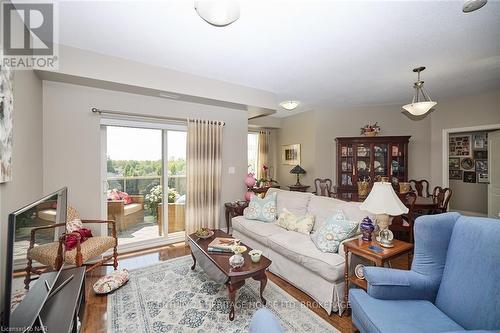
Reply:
x=384, y=203
x=297, y=170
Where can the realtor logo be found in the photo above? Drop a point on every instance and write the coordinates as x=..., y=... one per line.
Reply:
x=28, y=36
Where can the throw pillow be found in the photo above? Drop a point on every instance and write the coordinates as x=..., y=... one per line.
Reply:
x=74, y=225
x=111, y=282
x=292, y=222
x=261, y=209
x=336, y=229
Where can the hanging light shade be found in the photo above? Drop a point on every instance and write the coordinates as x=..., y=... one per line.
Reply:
x=289, y=105
x=218, y=12
x=421, y=103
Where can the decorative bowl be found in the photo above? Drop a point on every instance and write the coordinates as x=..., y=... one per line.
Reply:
x=202, y=236
x=255, y=255
x=236, y=261
x=239, y=249
x=358, y=271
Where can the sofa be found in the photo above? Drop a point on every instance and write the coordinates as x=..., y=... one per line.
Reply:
x=294, y=256
x=453, y=284
x=126, y=215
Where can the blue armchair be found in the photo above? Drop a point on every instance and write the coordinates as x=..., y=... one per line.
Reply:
x=453, y=284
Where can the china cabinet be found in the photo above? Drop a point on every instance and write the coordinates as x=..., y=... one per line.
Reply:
x=365, y=159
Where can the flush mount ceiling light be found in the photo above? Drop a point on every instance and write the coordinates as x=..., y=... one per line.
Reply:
x=218, y=12
x=421, y=103
x=289, y=105
x=472, y=5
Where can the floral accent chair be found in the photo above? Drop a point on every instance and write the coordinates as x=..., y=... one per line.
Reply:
x=51, y=254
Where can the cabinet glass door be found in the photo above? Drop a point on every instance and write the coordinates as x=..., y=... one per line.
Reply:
x=346, y=165
x=363, y=162
x=380, y=160
x=398, y=162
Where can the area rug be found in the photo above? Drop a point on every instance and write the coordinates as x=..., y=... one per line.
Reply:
x=170, y=297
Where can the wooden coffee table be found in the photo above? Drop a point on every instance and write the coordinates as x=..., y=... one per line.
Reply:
x=217, y=267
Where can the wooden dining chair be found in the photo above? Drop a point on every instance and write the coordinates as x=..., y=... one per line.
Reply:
x=421, y=187
x=404, y=223
x=323, y=187
x=442, y=197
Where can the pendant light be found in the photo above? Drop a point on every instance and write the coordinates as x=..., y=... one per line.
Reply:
x=421, y=103
x=219, y=13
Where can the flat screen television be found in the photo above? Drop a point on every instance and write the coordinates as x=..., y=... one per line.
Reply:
x=46, y=211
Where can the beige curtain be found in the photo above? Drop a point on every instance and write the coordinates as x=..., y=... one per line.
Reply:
x=204, y=168
x=263, y=155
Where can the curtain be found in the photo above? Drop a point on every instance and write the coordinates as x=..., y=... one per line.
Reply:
x=263, y=155
x=204, y=169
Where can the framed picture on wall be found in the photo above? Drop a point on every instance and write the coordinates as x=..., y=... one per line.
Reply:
x=482, y=166
x=480, y=154
x=454, y=163
x=456, y=174
x=480, y=140
x=482, y=178
x=290, y=154
x=469, y=176
x=460, y=146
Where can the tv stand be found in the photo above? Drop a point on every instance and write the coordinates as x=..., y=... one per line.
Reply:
x=64, y=308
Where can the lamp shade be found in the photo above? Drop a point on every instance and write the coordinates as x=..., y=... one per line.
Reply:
x=383, y=200
x=297, y=170
x=419, y=108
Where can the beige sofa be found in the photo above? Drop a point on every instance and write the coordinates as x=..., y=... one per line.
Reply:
x=295, y=257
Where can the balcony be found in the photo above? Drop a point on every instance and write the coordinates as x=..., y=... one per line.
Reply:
x=142, y=218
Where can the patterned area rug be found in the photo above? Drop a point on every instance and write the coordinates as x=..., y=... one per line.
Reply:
x=170, y=297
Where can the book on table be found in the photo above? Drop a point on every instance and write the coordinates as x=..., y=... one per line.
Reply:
x=223, y=244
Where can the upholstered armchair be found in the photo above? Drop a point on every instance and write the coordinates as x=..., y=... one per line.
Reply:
x=452, y=285
x=51, y=255
x=126, y=215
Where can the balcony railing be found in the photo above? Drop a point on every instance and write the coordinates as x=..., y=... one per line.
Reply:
x=142, y=184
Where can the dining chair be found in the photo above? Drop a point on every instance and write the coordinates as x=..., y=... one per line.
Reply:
x=421, y=187
x=442, y=196
x=404, y=223
x=323, y=187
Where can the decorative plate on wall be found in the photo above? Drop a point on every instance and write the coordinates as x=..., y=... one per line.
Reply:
x=467, y=163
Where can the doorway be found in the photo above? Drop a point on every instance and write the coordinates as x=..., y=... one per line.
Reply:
x=470, y=160
x=144, y=179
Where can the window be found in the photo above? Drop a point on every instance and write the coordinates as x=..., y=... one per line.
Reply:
x=253, y=151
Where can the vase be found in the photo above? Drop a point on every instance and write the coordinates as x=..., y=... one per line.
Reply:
x=249, y=195
x=367, y=228
x=250, y=180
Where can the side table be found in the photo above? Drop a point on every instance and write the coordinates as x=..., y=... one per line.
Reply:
x=361, y=249
x=298, y=188
x=234, y=209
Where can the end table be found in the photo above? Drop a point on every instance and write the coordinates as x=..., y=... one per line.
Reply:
x=361, y=249
x=234, y=209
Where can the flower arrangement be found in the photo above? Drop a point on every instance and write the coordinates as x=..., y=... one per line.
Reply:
x=370, y=130
x=155, y=197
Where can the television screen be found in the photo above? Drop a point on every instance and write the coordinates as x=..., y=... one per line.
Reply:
x=30, y=227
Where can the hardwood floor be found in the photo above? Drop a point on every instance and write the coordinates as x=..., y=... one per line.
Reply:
x=95, y=318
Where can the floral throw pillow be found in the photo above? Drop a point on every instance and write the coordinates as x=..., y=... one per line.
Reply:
x=261, y=209
x=111, y=282
x=336, y=229
x=292, y=222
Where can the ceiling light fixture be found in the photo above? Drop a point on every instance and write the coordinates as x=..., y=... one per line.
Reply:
x=289, y=105
x=419, y=106
x=219, y=13
x=472, y=5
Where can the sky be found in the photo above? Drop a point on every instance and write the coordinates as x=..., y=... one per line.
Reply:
x=125, y=143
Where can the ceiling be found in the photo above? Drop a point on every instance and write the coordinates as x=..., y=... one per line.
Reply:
x=324, y=53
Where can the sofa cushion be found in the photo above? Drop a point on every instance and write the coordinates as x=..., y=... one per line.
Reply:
x=470, y=288
x=131, y=208
x=322, y=208
x=295, y=202
x=336, y=229
x=254, y=229
x=261, y=209
x=292, y=222
x=299, y=248
x=410, y=316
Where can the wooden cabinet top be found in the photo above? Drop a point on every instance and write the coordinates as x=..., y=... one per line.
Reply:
x=403, y=138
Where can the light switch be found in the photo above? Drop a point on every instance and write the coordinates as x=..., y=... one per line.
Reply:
x=231, y=170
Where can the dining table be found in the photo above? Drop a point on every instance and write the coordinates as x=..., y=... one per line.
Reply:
x=426, y=203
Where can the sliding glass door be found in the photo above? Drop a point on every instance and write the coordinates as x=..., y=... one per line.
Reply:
x=145, y=182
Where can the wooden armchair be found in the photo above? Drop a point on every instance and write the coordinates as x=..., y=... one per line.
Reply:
x=421, y=187
x=126, y=215
x=51, y=254
x=405, y=222
x=323, y=187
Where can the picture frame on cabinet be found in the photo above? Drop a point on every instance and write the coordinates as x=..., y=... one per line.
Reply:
x=456, y=174
x=482, y=178
x=469, y=176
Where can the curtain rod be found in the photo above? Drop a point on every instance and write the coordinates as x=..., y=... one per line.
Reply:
x=121, y=113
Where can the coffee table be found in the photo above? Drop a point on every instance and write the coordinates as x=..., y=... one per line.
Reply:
x=216, y=266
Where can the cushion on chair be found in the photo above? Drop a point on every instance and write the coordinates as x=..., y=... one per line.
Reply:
x=299, y=248
x=372, y=315
x=111, y=282
x=470, y=287
x=132, y=208
x=47, y=253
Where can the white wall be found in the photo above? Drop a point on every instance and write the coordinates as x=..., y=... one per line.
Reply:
x=26, y=184
x=72, y=140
